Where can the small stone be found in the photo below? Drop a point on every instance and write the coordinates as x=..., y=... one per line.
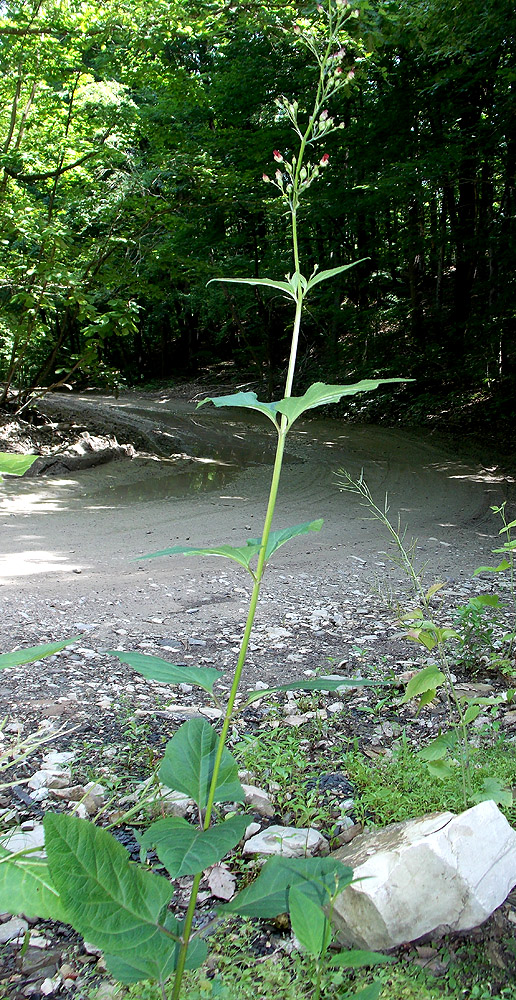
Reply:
x=258, y=800
x=13, y=929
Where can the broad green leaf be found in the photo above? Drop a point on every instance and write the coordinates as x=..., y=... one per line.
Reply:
x=316, y=684
x=483, y=601
x=245, y=400
x=441, y=769
x=320, y=394
x=21, y=656
x=333, y=271
x=15, y=465
x=244, y=553
x=27, y=887
x=268, y=894
x=188, y=765
x=371, y=992
x=241, y=554
x=426, y=699
x=126, y=973
x=114, y=904
x=426, y=680
x=505, y=564
x=278, y=538
x=471, y=713
x=493, y=790
x=357, y=959
x=186, y=850
x=309, y=924
x=426, y=639
x=153, y=668
x=282, y=286
x=439, y=747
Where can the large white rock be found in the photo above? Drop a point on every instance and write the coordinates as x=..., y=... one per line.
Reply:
x=439, y=873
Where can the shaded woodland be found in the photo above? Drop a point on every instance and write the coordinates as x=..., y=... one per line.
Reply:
x=133, y=145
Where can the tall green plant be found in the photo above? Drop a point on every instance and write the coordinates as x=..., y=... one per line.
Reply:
x=119, y=907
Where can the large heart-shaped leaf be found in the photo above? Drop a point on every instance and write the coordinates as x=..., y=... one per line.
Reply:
x=245, y=400
x=26, y=887
x=196, y=955
x=320, y=394
x=21, y=656
x=114, y=904
x=189, y=761
x=268, y=894
x=15, y=465
x=153, y=668
x=186, y=850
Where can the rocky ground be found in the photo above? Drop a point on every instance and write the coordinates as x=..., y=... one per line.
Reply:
x=72, y=566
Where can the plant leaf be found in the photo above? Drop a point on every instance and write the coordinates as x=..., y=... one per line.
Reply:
x=282, y=286
x=471, y=713
x=371, y=992
x=325, y=275
x=27, y=887
x=186, y=850
x=321, y=394
x=505, y=564
x=126, y=973
x=441, y=769
x=241, y=554
x=21, y=656
x=246, y=400
x=492, y=789
x=309, y=923
x=278, y=538
x=188, y=765
x=268, y=894
x=427, y=679
x=439, y=747
x=109, y=900
x=15, y=465
x=153, y=668
x=357, y=959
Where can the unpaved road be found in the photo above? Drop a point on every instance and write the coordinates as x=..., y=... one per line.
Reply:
x=70, y=546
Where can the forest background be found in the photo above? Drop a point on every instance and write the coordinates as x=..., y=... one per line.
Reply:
x=133, y=144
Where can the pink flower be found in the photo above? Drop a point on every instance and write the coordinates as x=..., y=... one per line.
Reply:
x=324, y=159
x=279, y=176
x=338, y=71
x=277, y=156
x=266, y=178
x=323, y=116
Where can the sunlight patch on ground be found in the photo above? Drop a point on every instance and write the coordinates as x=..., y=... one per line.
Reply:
x=16, y=564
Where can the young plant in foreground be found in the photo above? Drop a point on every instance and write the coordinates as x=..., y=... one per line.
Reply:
x=452, y=746
x=117, y=906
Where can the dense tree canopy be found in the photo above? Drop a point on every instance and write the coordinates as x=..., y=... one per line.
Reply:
x=133, y=143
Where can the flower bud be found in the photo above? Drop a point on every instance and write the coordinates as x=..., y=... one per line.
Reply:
x=324, y=159
x=279, y=176
x=323, y=116
x=277, y=156
x=266, y=178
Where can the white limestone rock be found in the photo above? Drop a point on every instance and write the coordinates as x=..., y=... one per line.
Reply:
x=439, y=873
x=258, y=799
x=288, y=841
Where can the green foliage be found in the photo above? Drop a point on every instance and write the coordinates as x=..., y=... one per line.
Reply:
x=191, y=763
x=153, y=668
x=21, y=656
x=15, y=465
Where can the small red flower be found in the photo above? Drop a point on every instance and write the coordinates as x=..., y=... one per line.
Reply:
x=277, y=156
x=324, y=159
x=266, y=178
